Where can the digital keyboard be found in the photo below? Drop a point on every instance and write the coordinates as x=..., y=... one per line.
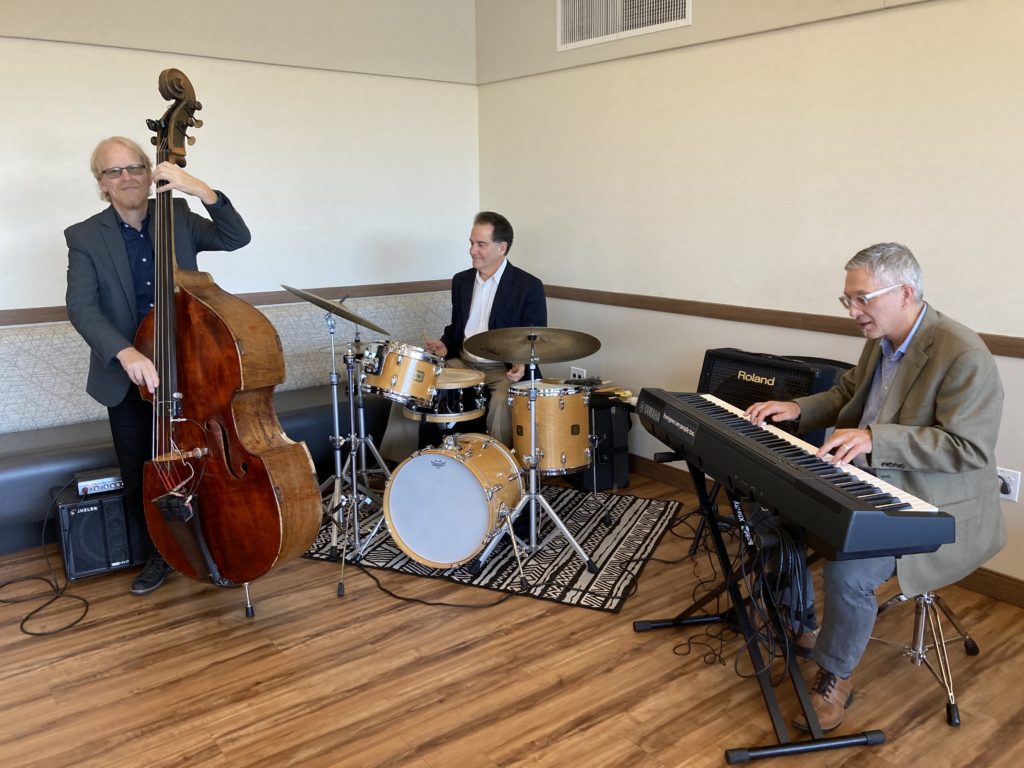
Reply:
x=847, y=513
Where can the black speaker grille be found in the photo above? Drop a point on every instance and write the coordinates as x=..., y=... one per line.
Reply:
x=97, y=536
x=744, y=378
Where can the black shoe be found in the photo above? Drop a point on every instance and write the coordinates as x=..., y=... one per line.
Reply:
x=152, y=576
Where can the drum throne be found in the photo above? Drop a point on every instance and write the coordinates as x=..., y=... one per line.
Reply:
x=929, y=608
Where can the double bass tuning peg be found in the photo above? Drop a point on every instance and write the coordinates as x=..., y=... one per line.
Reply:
x=191, y=140
x=195, y=122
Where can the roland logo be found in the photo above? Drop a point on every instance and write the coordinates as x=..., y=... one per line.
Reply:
x=754, y=378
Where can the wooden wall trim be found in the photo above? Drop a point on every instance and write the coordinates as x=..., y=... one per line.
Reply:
x=996, y=585
x=35, y=315
x=1007, y=346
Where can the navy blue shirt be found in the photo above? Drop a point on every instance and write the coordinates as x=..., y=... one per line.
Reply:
x=140, y=259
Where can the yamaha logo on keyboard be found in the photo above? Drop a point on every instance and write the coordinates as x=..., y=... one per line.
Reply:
x=754, y=378
x=648, y=410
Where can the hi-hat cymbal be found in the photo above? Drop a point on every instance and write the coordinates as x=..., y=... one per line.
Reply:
x=513, y=345
x=334, y=308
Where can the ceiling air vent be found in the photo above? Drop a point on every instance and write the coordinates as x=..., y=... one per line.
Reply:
x=586, y=22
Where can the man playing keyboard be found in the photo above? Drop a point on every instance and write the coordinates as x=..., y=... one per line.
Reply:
x=920, y=410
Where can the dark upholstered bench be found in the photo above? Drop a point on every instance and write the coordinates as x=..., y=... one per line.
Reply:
x=37, y=462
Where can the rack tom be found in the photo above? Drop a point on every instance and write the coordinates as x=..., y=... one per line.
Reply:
x=401, y=372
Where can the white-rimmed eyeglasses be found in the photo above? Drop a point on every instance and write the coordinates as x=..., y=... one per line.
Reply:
x=861, y=301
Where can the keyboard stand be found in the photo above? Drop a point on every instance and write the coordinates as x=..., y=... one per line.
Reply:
x=730, y=583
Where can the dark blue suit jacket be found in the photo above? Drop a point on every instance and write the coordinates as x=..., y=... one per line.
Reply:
x=519, y=302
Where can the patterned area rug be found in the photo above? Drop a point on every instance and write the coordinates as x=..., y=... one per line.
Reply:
x=554, y=572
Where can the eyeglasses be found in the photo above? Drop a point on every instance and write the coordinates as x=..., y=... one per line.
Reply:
x=136, y=169
x=861, y=301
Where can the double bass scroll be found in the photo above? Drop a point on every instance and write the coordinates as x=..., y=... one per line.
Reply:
x=227, y=494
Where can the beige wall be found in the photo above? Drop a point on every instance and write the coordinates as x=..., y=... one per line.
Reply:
x=747, y=171
x=344, y=178
x=403, y=38
x=519, y=38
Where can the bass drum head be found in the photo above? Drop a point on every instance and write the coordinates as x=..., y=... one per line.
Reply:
x=436, y=510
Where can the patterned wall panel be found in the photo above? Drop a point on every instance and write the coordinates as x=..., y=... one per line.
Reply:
x=43, y=367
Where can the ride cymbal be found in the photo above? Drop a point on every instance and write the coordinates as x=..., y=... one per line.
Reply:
x=335, y=309
x=514, y=345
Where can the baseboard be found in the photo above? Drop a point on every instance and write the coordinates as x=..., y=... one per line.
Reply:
x=998, y=586
x=663, y=473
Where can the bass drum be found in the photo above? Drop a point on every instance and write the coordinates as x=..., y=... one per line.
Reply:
x=443, y=505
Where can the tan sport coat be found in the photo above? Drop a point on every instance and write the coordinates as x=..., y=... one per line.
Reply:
x=935, y=437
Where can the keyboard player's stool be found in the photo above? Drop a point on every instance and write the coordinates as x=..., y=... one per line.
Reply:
x=929, y=609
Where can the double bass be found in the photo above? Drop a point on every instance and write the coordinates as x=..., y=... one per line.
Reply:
x=227, y=495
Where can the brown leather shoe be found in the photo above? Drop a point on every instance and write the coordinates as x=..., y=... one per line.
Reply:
x=803, y=644
x=830, y=696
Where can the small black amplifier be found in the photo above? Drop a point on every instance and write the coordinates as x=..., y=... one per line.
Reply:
x=97, y=536
x=609, y=427
x=98, y=481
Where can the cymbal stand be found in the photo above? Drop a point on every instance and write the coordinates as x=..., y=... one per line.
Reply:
x=336, y=481
x=346, y=496
x=356, y=464
x=533, y=497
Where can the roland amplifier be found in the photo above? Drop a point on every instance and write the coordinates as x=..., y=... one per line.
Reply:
x=96, y=534
x=744, y=378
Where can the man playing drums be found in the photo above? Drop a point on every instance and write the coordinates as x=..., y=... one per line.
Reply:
x=492, y=294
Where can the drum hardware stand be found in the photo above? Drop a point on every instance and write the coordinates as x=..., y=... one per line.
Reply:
x=523, y=583
x=347, y=504
x=533, y=497
x=594, y=440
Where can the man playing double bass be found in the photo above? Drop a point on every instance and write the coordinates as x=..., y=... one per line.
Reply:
x=110, y=290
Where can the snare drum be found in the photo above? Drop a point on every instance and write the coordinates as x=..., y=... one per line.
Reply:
x=460, y=397
x=400, y=372
x=443, y=505
x=563, y=426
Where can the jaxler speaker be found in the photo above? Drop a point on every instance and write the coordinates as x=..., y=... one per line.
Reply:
x=96, y=534
x=744, y=378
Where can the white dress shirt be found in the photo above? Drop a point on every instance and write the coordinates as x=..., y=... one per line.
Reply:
x=480, y=309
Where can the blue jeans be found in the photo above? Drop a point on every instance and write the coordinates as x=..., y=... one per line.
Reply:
x=850, y=610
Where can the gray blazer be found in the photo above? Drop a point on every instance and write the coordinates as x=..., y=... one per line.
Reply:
x=101, y=295
x=935, y=437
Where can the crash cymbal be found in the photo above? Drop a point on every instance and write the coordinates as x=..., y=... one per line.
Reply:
x=512, y=345
x=335, y=309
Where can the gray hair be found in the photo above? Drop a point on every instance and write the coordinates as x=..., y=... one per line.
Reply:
x=891, y=264
x=94, y=161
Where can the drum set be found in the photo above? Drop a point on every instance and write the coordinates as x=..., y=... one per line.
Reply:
x=450, y=505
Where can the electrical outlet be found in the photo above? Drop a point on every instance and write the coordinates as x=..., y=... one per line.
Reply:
x=577, y=373
x=1009, y=484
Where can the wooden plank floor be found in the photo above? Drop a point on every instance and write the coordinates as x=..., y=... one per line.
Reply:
x=182, y=678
